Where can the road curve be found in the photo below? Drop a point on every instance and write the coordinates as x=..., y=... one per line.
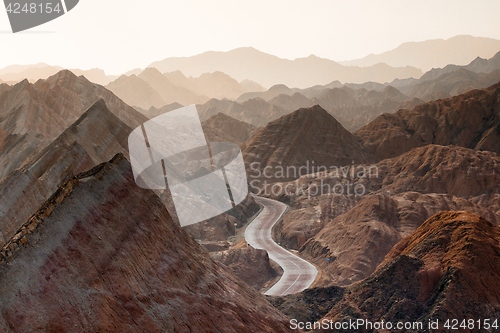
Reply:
x=298, y=274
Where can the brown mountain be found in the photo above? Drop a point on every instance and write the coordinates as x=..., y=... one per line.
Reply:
x=353, y=105
x=447, y=268
x=248, y=264
x=256, y=112
x=469, y=120
x=357, y=231
x=223, y=128
x=358, y=240
x=291, y=102
x=94, y=138
x=168, y=91
x=451, y=84
x=295, y=143
x=136, y=92
x=269, y=70
x=33, y=115
x=478, y=65
x=356, y=107
x=104, y=255
x=450, y=260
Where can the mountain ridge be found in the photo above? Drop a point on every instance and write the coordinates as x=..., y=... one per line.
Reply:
x=268, y=70
x=435, y=53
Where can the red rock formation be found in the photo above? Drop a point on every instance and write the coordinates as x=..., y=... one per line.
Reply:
x=296, y=143
x=358, y=241
x=103, y=255
x=448, y=268
x=358, y=231
x=250, y=265
x=96, y=137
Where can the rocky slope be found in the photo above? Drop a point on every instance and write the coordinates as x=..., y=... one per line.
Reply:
x=447, y=268
x=449, y=261
x=223, y=128
x=221, y=227
x=469, y=120
x=288, y=147
x=357, y=231
x=358, y=241
x=104, y=255
x=248, y=264
x=33, y=115
x=94, y=138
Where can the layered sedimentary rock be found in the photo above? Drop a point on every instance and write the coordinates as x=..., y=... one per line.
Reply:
x=357, y=231
x=104, y=255
x=33, y=115
x=299, y=143
x=250, y=265
x=448, y=268
x=470, y=120
x=94, y=138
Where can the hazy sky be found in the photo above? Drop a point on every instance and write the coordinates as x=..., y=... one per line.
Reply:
x=118, y=35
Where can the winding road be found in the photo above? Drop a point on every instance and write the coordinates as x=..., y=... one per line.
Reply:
x=298, y=274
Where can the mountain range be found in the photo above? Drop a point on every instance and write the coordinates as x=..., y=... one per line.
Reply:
x=440, y=155
x=153, y=89
x=392, y=193
x=33, y=115
x=269, y=70
x=429, y=54
x=355, y=105
x=427, y=277
x=85, y=262
x=33, y=73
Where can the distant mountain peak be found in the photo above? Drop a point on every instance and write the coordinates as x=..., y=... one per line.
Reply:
x=435, y=53
x=268, y=69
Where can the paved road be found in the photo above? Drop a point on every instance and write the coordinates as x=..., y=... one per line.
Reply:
x=298, y=274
